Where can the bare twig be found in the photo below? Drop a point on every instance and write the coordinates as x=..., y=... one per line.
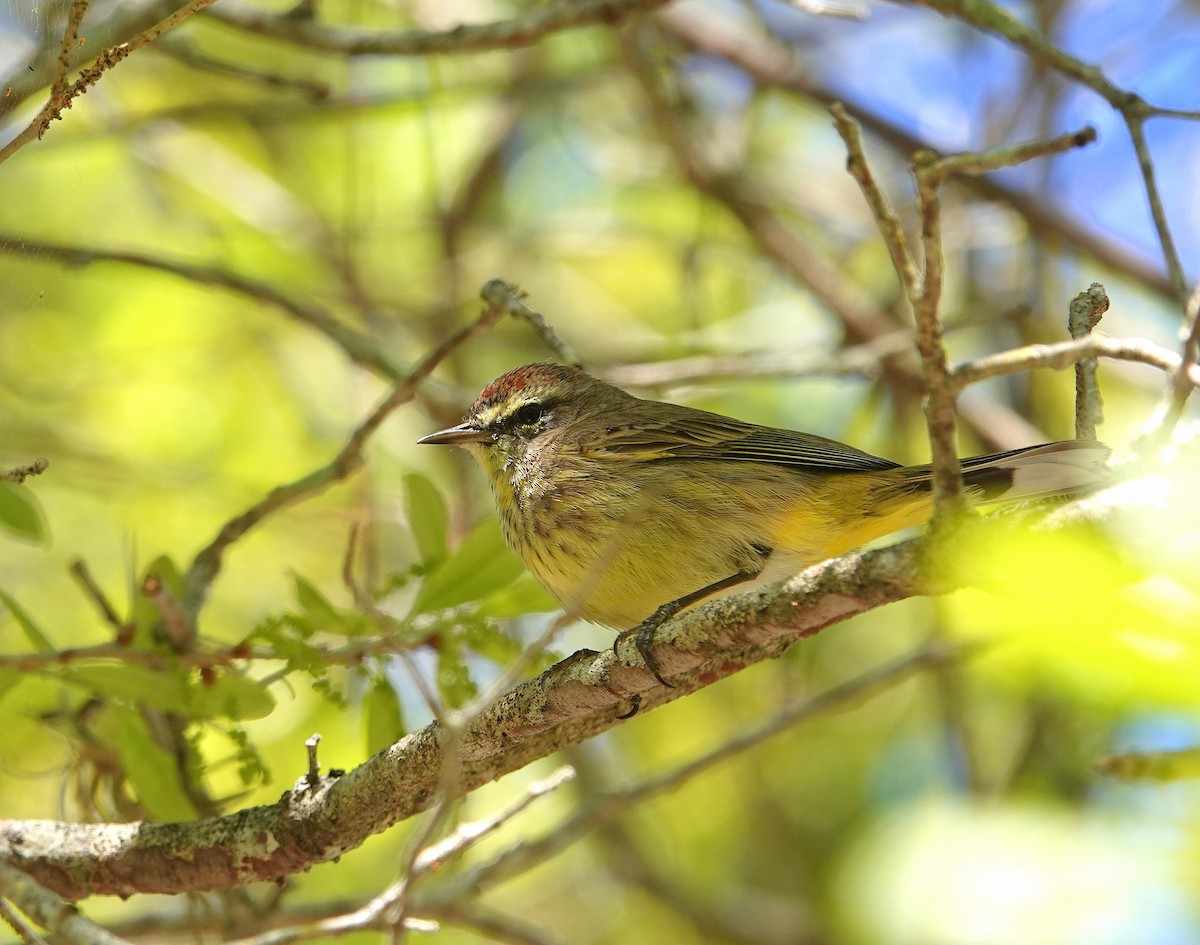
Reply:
x=313, y=775
x=773, y=63
x=384, y=912
x=990, y=18
x=188, y=53
x=1180, y=387
x=349, y=653
x=207, y=563
x=925, y=296
x=20, y=473
x=17, y=922
x=62, y=95
x=862, y=320
x=1086, y=310
x=1066, y=353
x=81, y=573
x=857, y=361
x=108, y=58
x=477, y=37
x=489, y=924
x=930, y=172
x=359, y=347
x=886, y=220
x=178, y=631
x=508, y=296
x=466, y=836
x=58, y=85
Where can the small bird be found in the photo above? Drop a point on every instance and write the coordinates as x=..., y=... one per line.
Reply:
x=629, y=511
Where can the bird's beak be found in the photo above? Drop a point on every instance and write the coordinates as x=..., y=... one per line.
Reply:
x=458, y=436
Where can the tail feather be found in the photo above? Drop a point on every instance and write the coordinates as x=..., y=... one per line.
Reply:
x=1028, y=473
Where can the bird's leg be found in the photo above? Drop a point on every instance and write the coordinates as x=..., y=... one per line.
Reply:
x=644, y=632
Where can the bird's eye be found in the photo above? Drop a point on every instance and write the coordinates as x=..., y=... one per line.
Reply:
x=529, y=414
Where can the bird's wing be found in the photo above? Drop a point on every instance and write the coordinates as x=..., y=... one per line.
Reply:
x=696, y=434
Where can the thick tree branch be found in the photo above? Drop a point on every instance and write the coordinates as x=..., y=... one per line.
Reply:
x=576, y=699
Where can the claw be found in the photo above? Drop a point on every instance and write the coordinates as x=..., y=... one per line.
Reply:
x=643, y=635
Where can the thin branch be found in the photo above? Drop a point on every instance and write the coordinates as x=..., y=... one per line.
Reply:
x=857, y=361
x=1067, y=353
x=988, y=17
x=925, y=296
x=930, y=172
x=58, y=85
x=1086, y=310
x=1180, y=387
x=359, y=347
x=473, y=38
x=465, y=836
x=61, y=97
x=350, y=653
x=179, y=48
x=121, y=24
x=862, y=320
x=29, y=935
x=207, y=563
x=886, y=220
x=488, y=923
x=108, y=58
x=80, y=571
x=508, y=296
x=772, y=63
x=50, y=911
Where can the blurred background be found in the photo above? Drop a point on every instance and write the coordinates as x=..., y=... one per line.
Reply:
x=227, y=252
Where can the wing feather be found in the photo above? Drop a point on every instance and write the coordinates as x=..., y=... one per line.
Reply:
x=697, y=434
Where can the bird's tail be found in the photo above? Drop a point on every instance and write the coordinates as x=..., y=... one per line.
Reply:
x=1031, y=472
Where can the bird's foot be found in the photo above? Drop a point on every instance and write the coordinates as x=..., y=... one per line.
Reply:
x=643, y=635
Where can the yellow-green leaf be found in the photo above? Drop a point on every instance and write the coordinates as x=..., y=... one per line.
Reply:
x=480, y=565
x=151, y=768
x=426, y=510
x=21, y=514
x=382, y=717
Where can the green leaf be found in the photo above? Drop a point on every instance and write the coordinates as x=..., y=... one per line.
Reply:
x=151, y=769
x=480, y=565
x=523, y=596
x=21, y=514
x=382, y=717
x=485, y=638
x=231, y=696
x=137, y=684
x=315, y=605
x=36, y=636
x=426, y=511
x=145, y=615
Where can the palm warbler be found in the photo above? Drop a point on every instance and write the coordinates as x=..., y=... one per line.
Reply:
x=631, y=510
